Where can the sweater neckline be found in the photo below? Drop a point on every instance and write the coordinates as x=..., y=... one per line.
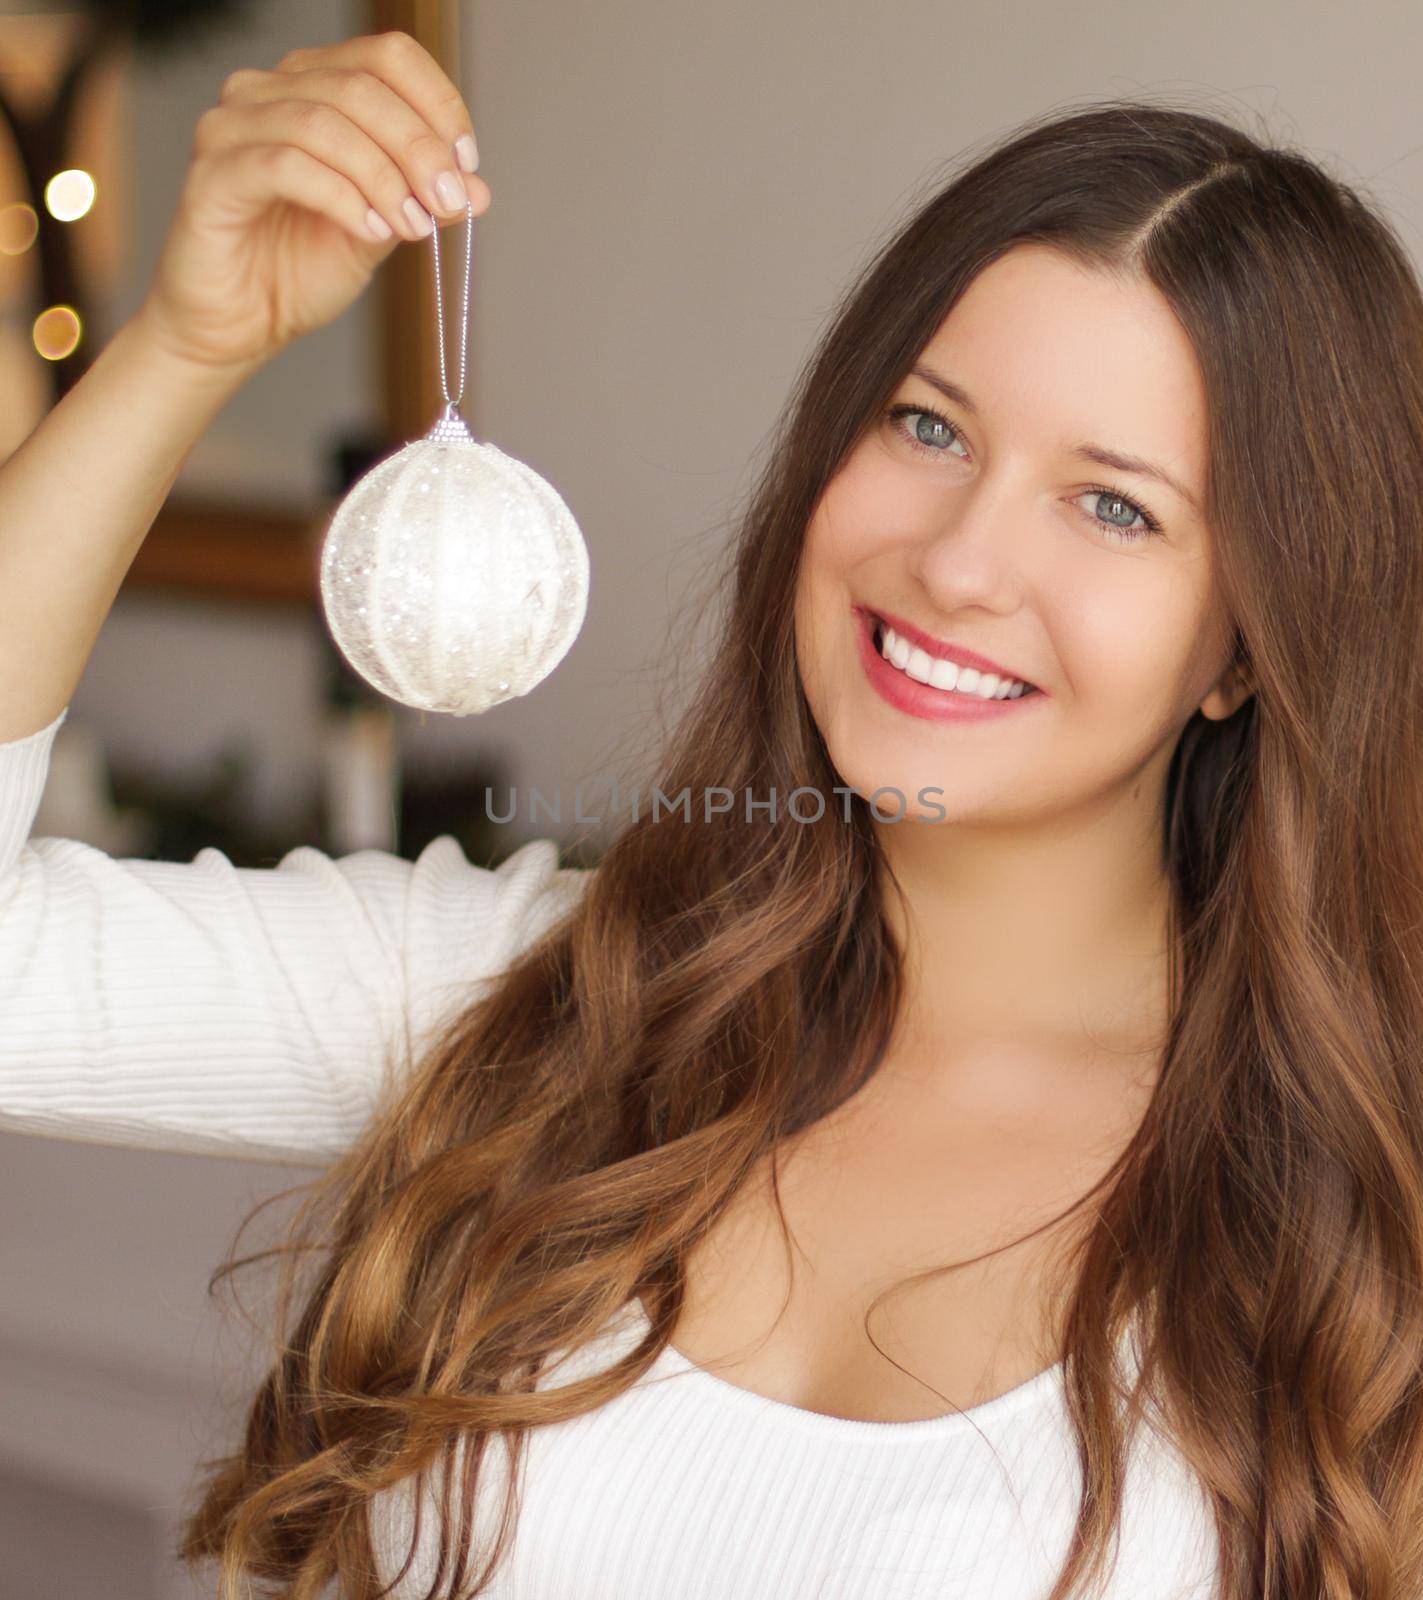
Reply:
x=1037, y=1390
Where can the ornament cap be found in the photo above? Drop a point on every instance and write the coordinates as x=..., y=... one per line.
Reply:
x=450, y=428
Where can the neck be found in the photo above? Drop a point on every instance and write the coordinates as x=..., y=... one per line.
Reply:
x=1052, y=932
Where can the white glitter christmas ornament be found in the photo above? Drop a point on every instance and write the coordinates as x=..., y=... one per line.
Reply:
x=452, y=575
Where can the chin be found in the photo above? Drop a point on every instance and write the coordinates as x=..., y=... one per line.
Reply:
x=876, y=763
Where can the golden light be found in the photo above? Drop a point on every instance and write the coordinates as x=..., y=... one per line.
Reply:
x=19, y=227
x=69, y=194
x=56, y=332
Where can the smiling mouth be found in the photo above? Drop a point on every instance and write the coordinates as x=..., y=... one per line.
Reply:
x=945, y=674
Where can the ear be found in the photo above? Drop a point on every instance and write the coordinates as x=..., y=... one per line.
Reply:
x=1232, y=689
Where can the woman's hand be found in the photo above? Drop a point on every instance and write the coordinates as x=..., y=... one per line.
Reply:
x=273, y=234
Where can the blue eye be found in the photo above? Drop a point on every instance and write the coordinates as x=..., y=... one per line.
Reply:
x=1123, y=533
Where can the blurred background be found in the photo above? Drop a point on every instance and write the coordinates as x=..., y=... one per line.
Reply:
x=680, y=194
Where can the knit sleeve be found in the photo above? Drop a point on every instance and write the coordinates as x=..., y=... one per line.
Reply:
x=247, y=1012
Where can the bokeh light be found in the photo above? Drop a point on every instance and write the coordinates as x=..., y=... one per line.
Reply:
x=69, y=194
x=56, y=332
x=19, y=227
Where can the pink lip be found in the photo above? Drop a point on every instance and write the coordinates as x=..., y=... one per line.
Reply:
x=923, y=699
x=940, y=647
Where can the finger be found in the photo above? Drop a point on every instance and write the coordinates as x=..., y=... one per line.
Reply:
x=325, y=132
x=245, y=179
x=383, y=115
x=408, y=68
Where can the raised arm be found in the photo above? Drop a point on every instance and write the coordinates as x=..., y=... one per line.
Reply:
x=240, y=1011
x=301, y=181
x=201, y=1006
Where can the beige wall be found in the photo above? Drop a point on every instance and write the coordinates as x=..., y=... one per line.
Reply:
x=680, y=192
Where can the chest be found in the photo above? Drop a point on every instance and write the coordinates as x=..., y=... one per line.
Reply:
x=918, y=1170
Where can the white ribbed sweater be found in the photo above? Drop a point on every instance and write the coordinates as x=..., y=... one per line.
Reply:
x=205, y=1007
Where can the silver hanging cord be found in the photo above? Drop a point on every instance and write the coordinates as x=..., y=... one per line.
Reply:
x=452, y=401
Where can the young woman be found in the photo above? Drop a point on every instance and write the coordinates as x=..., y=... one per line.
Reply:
x=998, y=1170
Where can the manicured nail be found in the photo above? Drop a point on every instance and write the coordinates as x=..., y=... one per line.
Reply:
x=451, y=192
x=377, y=224
x=467, y=152
x=418, y=217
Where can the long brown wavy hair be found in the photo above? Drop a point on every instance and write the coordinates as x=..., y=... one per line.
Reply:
x=714, y=989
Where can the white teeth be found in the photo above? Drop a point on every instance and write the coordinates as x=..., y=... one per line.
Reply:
x=918, y=664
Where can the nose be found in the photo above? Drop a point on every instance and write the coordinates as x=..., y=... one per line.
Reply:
x=974, y=553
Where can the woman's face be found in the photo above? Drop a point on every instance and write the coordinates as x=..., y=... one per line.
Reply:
x=990, y=531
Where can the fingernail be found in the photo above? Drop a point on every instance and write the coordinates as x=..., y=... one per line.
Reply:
x=451, y=191
x=377, y=224
x=418, y=216
x=467, y=152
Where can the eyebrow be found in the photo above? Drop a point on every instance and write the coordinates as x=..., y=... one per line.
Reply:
x=1116, y=459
